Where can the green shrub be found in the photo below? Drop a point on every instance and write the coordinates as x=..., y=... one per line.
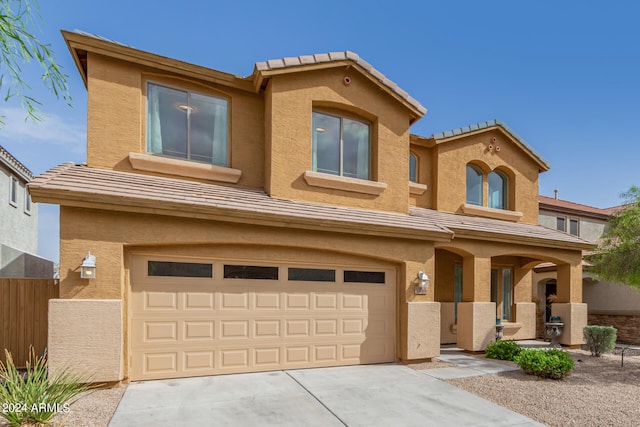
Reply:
x=552, y=363
x=600, y=339
x=503, y=350
x=35, y=397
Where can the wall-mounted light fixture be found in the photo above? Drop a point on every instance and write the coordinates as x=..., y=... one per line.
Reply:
x=423, y=284
x=88, y=267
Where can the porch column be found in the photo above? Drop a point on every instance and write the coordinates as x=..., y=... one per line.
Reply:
x=568, y=305
x=476, y=314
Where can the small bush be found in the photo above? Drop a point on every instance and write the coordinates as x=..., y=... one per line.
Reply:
x=503, y=350
x=552, y=363
x=35, y=397
x=600, y=339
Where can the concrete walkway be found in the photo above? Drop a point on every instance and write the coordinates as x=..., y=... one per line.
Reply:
x=365, y=395
x=467, y=365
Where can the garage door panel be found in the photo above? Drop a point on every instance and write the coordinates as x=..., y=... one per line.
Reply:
x=203, y=327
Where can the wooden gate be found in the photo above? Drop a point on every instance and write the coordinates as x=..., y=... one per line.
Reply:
x=24, y=311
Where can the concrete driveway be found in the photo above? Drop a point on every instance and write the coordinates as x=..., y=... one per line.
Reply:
x=366, y=395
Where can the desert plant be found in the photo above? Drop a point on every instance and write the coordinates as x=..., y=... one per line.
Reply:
x=552, y=363
x=600, y=339
x=503, y=350
x=34, y=397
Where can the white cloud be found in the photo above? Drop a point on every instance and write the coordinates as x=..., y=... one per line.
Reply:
x=53, y=129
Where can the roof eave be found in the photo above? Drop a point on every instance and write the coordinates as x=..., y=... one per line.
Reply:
x=518, y=239
x=78, y=43
x=42, y=194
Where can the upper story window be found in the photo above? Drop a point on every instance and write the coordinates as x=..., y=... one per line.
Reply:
x=413, y=167
x=27, y=202
x=574, y=227
x=187, y=125
x=13, y=191
x=474, y=185
x=341, y=146
x=561, y=223
x=498, y=190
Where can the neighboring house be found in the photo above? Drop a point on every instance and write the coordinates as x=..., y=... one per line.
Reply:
x=18, y=223
x=609, y=304
x=287, y=219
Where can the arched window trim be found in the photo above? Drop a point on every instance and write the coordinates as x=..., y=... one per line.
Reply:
x=503, y=199
x=475, y=187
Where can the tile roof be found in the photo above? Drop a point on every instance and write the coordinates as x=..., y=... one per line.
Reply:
x=15, y=164
x=81, y=185
x=551, y=203
x=488, y=124
x=463, y=225
x=319, y=58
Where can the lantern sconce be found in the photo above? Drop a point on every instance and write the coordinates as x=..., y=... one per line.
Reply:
x=423, y=284
x=88, y=267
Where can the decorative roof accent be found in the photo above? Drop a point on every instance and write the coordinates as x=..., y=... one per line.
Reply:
x=489, y=124
x=15, y=165
x=318, y=58
x=79, y=185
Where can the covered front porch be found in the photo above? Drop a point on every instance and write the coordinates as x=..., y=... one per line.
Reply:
x=481, y=283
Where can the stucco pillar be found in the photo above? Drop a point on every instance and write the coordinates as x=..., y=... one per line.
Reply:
x=476, y=279
x=569, y=283
x=574, y=317
x=420, y=314
x=476, y=325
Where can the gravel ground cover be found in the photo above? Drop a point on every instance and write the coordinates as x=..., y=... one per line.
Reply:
x=599, y=392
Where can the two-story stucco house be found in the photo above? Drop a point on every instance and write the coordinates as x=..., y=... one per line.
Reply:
x=287, y=219
x=609, y=303
x=18, y=223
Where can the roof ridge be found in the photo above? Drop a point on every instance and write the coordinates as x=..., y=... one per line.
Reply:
x=487, y=124
x=347, y=55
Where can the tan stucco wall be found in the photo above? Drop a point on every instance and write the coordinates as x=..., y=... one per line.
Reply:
x=425, y=176
x=295, y=96
x=574, y=317
x=453, y=157
x=423, y=331
x=476, y=325
x=87, y=336
x=116, y=122
x=524, y=325
x=113, y=236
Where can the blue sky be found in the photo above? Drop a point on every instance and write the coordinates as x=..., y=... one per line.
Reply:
x=564, y=75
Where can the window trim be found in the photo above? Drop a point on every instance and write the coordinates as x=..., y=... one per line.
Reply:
x=28, y=203
x=479, y=174
x=505, y=190
x=189, y=91
x=335, y=182
x=564, y=222
x=577, y=221
x=498, y=292
x=341, y=117
x=183, y=167
x=13, y=191
x=413, y=155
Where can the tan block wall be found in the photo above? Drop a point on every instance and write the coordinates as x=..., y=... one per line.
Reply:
x=575, y=318
x=453, y=157
x=423, y=330
x=448, y=327
x=476, y=325
x=86, y=336
x=116, y=122
x=293, y=98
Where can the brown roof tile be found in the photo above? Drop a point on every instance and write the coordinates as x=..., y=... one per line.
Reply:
x=80, y=185
x=15, y=164
x=550, y=203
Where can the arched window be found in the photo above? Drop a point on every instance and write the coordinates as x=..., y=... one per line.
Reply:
x=498, y=190
x=474, y=185
x=413, y=167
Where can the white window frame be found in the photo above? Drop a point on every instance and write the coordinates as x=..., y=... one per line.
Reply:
x=27, y=202
x=341, y=143
x=13, y=191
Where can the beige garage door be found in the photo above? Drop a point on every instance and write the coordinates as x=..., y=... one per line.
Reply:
x=203, y=317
